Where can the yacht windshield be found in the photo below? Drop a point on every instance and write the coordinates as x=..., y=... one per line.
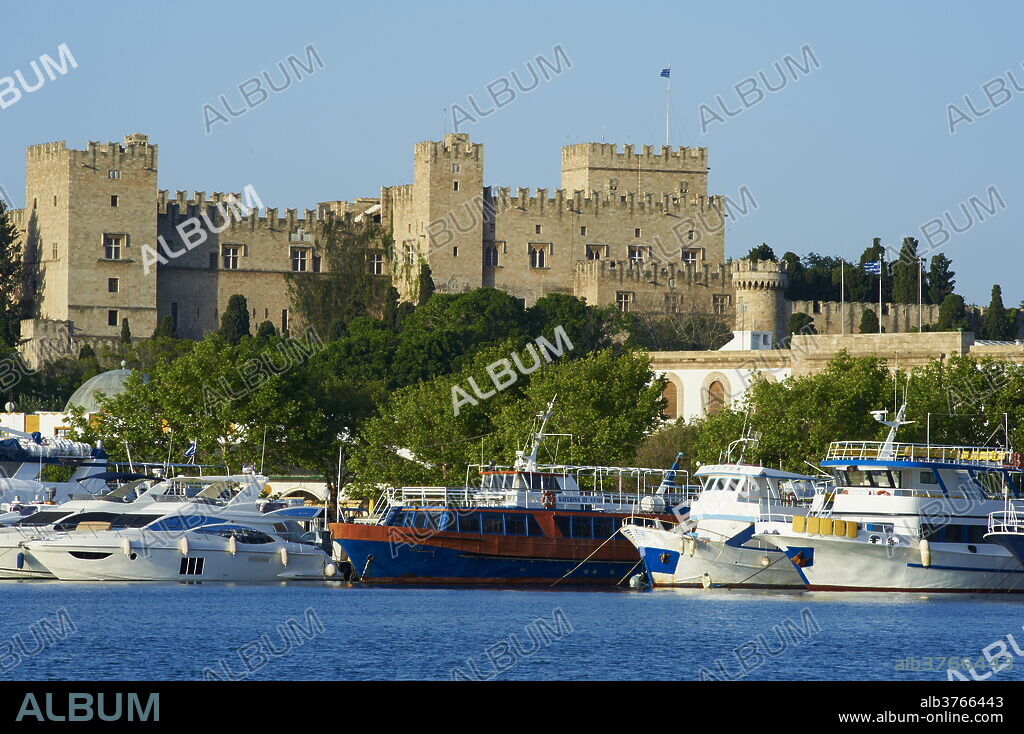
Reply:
x=42, y=518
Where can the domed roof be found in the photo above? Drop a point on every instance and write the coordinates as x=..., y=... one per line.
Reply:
x=108, y=383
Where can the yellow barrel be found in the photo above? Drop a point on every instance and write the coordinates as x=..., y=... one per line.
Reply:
x=799, y=523
x=812, y=525
x=851, y=529
x=825, y=527
x=839, y=528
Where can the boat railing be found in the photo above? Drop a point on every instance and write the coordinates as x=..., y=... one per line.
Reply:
x=873, y=450
x=479, y=497
x=1011, y=520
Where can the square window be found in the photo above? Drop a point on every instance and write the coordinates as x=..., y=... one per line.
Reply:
x=636, y=232
x=299, y=256
x=455, y=186
x=491, y=256
x=583, y=231
x=455, y=251
x=690, y=257
x=538, y=256
x=113, y=175
x=229, y=256
x=624, y=300
x=54, y=250
x=112, y=244
x=316, y=263
x=112, y=317
x=720, y=303
x=536, y=229
x=113, y=286
x=377, y=263
x=113, y=200
x=455, y=168
x=637, y=253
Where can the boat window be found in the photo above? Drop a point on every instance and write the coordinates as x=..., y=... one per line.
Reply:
x=424, y=520
x=991, y=483
x=488, y=481
x=582, y=527
x=129, y=520
x=72, y=522
x=515, y=524
x=493, y=524
x=176, y=523
x=603, y=527
x=446, y=521
x=884, y=479
x=532, y=528
x=928, y=477
x=953, y=533
x=856, y=478
x=964, y=482
x=880, y=527
x=41, y=518
x=469, y=522
x=562, y=522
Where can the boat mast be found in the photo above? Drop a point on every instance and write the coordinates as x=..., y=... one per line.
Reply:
x=530, y=462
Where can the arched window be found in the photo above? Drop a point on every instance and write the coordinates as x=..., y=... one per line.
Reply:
x=716, y=397
x=671, y=395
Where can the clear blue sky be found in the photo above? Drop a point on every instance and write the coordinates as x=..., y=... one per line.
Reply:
x=857, y=148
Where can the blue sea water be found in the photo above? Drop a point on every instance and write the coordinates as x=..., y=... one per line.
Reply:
x=192, y=631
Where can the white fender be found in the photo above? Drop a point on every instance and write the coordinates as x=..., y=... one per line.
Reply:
x=126, y=547
x=183, y=545
x=705, y=580
x=926, y=553
x=691, y=546
x=284, y=556
x=232, y=545
x=330, y=570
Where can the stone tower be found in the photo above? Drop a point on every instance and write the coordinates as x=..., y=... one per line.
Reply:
x=760, y=287
x=87, y=215
x=447, y=207
x=590, y=167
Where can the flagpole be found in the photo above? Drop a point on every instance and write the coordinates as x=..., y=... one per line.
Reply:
x=668, y=101
x=920, y=301
x=880, y=268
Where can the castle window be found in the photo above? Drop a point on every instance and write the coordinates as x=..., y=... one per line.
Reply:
x=284, y=322
x=55, y=200
x=112, y=244
x=113, y=200
x=690, y=234
x=455, y=186
x=316, y=263
x=410, y=253
x=377, y=263
x=597, y=252
x=671, y=302
x=624, y=300
x=299, y=256
x=113, y=286
x=538, y=256
x=455, y=251
x=455, y=168
x=638, y=253
x=690, y=257
x=54, y=250
x=112, y=317
x=636, y=233
x=230, y=258
x=716, y=397
x=720, y=303
x=491, y=256
x=536, y=229
x=113, y=175
x=583, y=231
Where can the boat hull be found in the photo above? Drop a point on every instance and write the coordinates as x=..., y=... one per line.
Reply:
x=671, y=561
x=837, y=564
x=400, y=555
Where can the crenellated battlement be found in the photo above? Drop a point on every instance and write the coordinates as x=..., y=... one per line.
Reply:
x=232, y=206
x=580, y=203
x=455, y=146
x=759, y=275
x=135, y=150
x=608, y=155
x=668, y=274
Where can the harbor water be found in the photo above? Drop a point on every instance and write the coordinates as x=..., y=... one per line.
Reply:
x=307, y=631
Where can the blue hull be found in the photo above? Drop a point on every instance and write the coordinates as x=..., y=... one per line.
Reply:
x=400, y=563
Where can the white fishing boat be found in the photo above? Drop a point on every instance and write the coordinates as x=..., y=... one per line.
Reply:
x=189, y=529
x=713, y=545
x=904, y=517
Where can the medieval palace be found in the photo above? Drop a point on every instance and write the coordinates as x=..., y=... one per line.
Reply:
x=635, y=228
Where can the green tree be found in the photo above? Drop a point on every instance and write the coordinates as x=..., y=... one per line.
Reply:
x=588, y=327
x=862, y=286
x=905, y=273
x=265, y=330
x=126, y=333
x=86, y=352
x=348, y=285
x=425, y=287
x=234, y=323
x=11, y=275
x=166, y=328
x=940, y=279
x=997, y=322
x=953, y=314
x=869, y=322
x=801, y=323
x=761, y=252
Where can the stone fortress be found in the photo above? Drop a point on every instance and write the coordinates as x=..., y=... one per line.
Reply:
x=632, y=227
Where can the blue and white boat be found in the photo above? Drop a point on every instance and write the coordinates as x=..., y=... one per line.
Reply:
x=714, y=546
x=904, y=517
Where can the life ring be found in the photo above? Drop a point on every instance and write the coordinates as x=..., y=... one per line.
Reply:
x=547, y=500
x=1018, y=461
x=882, y=492
x=845, y=491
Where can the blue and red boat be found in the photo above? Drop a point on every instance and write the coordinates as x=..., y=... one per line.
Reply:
x=525, y=524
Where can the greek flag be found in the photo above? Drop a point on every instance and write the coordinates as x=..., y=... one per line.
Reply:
x=874, y=267
x=191, y=450
x=666, y=72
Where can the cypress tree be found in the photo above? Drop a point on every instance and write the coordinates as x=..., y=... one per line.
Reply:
x=234, y=324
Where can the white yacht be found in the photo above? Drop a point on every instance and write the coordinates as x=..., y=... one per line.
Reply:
x=904, y=517
x=25, y=459
x=188, y=529
x=713, y=545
